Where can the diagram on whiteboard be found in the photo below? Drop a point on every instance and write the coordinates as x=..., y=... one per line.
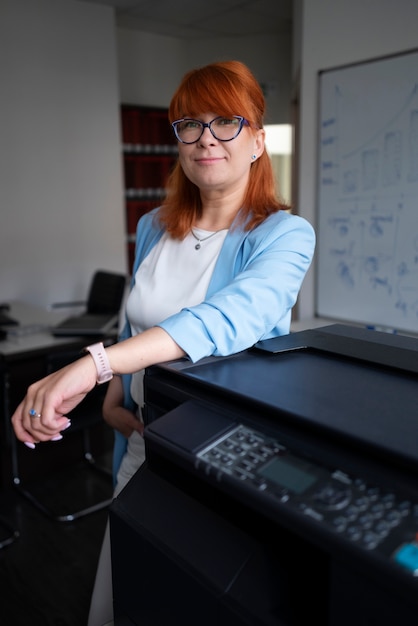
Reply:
x=367, y=251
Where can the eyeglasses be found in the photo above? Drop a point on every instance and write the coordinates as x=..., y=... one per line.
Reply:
x=189, y=130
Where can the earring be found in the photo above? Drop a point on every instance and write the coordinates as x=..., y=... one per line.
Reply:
x=254, y=157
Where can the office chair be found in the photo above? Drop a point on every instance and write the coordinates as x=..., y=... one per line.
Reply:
x=8, y=534
x=101, y=314
x=105, y=294
x=81, y=485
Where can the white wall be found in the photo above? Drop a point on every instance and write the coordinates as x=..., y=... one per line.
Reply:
x=335, y=33
x=269, y=58
x=60, y=164
x=151, y=66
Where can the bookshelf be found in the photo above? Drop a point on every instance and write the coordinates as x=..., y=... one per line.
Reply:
x=149, y=154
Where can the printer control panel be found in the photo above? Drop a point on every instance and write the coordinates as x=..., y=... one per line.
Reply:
x=371, y=517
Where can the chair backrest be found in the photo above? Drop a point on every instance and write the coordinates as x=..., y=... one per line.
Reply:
x=106, y=292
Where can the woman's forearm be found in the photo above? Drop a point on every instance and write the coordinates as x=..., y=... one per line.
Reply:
x=150, y=347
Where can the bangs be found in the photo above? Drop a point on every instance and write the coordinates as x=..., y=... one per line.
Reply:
x=214, y=89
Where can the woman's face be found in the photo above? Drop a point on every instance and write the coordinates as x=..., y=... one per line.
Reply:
x=221, y=167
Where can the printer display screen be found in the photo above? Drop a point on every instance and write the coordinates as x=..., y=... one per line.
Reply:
x=296, y=476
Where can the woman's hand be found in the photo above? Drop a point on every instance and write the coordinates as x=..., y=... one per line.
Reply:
x=114, y=413
x=41, y=416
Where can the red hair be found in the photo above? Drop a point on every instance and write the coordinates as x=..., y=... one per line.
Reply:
x=226, y=88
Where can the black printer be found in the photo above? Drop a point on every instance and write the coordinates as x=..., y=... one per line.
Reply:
x=280, y=488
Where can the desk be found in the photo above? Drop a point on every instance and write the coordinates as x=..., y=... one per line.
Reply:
x=25, y=357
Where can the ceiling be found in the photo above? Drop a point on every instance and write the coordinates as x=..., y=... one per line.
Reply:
x=194, y=19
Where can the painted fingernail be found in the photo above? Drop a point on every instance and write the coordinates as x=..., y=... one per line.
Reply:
x=67, y=425
x=56, y=438
x=29, y=444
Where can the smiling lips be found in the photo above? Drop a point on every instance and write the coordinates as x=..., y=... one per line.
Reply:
x=208, y=160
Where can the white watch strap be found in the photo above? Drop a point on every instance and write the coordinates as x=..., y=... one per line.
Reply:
x=104, y=372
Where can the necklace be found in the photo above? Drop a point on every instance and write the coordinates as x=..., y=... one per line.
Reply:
x=199, y=241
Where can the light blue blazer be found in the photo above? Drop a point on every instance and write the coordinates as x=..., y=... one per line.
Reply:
x=253, y=288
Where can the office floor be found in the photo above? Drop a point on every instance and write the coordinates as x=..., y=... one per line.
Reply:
x=47, y=573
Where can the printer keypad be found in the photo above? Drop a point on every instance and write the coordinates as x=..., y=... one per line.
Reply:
x=362, y=513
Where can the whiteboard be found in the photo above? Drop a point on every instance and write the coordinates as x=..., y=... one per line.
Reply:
x=367, y=193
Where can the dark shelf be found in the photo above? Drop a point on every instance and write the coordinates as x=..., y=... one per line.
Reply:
x=149, y=151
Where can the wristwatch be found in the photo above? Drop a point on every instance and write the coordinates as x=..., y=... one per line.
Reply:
x=98, y=352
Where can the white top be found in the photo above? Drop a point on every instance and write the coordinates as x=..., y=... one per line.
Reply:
x=174, y=275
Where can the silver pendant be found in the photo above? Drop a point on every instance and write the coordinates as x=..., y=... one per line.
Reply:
x=197, y=246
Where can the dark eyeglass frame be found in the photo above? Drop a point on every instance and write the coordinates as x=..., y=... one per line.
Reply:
x=242, y=122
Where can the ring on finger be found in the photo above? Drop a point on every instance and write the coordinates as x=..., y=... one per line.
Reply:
x=34, y=413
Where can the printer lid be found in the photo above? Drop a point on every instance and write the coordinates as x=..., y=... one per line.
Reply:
x=353, y=383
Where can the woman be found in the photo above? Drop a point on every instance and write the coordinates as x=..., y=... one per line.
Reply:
x=217, y=267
